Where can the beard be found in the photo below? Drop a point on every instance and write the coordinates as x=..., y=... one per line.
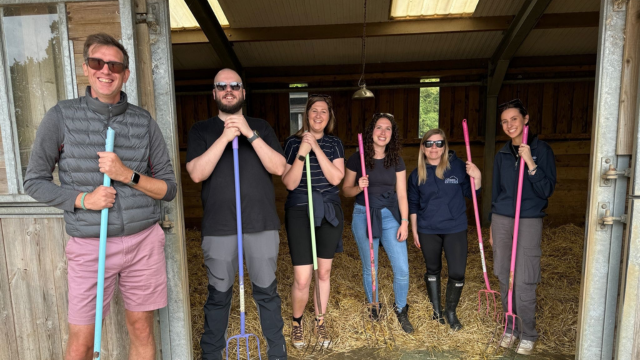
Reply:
x=230, y=109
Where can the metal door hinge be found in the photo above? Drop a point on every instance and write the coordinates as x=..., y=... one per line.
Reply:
x=609, y=172
x=166, y=223
x=607, y=219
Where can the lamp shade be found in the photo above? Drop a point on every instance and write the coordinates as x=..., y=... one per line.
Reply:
x=362, y=93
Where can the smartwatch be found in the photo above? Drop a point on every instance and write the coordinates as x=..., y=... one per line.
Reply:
x=254, y=137
x=134, y=179
x=301, y=158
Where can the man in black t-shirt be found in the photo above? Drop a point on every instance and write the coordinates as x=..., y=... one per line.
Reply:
x=210, y=161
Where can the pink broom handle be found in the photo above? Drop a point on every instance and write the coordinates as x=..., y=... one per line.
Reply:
x=366, y=204
x=475, y=206
x=516, y=224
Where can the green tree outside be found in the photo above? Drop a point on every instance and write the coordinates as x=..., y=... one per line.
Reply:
x=429, y=107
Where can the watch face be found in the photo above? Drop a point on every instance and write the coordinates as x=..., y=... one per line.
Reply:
x=257, y=133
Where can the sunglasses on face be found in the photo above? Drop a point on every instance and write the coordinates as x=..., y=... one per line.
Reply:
x=222, y=86
x=430, y=143
x=98, y=64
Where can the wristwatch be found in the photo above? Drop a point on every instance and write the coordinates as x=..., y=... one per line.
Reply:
x=301, y=158
x=254, y=137
x=135, y=177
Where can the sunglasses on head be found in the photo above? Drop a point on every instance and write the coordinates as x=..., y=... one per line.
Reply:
x=325, y=96
x=429, y=143
x=222, y=86
x=383, y=115
x=98, y=64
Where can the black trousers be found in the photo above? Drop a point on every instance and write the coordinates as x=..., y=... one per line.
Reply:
x=455, y=250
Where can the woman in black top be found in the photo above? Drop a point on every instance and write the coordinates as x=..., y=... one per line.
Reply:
x=326, y=160
x=387, y=184
x=537, y=186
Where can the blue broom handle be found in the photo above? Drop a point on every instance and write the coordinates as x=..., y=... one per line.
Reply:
x=236, y=175
x=104, y=222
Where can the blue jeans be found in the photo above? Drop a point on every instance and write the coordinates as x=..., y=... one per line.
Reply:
x=396, y=250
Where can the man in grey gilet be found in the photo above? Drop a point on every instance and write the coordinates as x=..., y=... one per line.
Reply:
x=72, y=134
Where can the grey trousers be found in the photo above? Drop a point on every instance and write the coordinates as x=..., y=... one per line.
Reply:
x=527, y=271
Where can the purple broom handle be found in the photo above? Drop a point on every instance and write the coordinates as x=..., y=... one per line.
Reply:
x=236, y=175
x=516, y=224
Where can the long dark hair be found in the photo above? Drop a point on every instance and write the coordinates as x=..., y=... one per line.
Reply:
x=305, y=122
x=392, y=151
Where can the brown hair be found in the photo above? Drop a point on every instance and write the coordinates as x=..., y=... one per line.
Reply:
x=332, y=118
x=444, y=164
x=392, y=151
x=102, y=39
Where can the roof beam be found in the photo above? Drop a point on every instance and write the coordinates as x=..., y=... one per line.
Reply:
x=214, y=34
x=525, y=21
x=389, y=28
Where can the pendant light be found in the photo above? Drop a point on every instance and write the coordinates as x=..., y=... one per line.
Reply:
x=363, y=92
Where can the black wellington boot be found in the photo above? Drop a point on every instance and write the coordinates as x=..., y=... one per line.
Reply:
x=452, y=297
x=434, y=293
x=403, y=318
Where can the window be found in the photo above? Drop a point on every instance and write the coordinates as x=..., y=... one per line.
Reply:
x=297, y=104
x=34, y=70
x=415, y=9
x=429, y=106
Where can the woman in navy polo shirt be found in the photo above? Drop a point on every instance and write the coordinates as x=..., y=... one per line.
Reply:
x=537, y=186
x=436, y=191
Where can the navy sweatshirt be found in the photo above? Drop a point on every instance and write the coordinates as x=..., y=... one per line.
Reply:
x=439, y=203
x=536, y=188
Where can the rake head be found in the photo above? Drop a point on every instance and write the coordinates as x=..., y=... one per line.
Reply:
x=490, y=303
x=508, y=338
x=320, y=339
x=238, y=339
x=375, y=327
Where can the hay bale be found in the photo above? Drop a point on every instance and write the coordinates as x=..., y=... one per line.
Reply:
x=557, y=311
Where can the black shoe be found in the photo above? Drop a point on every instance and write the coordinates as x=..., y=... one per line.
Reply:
x=375, y=312
x=403, y=318
x=454, y=290
x=434, y=293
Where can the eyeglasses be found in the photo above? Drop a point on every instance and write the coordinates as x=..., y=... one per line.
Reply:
x=98, y=64
x=222, y=86
x=385, y=115
x=511, y=103
x=430, y=143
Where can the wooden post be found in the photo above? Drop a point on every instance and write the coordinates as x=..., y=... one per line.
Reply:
x=489, y=153
x=143, y=61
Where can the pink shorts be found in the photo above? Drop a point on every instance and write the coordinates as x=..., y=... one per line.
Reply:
x=136, y=260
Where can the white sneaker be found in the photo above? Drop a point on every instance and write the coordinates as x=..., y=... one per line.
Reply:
x=508, y=340
x=526, y=347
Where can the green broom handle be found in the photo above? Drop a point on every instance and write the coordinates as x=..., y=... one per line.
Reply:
x=311, y=222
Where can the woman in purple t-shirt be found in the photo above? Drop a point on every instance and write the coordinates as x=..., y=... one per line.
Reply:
x=389, y=209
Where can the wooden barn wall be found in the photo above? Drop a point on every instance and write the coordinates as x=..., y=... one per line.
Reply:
x=559, y=112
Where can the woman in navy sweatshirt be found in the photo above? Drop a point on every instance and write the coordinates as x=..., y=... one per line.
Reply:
x=436, y=191
x=538, y=184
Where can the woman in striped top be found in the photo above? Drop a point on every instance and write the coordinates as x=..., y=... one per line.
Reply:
x=326, y=159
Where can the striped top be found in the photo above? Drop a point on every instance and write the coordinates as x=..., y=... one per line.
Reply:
x=332, y=148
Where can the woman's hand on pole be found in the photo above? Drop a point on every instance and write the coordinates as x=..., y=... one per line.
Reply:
x=363, y=182
x=474, y=172
x=309, y=139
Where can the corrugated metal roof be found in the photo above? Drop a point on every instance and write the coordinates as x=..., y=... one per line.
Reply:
x=565, y=6
x=268, y=13
x=181, y=17
x=195, y=56
x=379, y=50
x=551, y=42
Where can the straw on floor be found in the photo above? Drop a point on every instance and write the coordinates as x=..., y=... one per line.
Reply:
x=557, y=308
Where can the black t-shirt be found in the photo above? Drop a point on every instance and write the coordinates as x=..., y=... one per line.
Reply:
x=332, y=148
x=218, y=191
x=381, y=179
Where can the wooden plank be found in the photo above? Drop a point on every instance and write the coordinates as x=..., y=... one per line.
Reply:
x=9, y=349
x=579, y=112
x=284, y=126
x=93, y=12
x=59, y=266
x=341, y=111
x=182, y=137
x=188, y=115
x=201, y=104
x=534, y=108
x=459, y=112
x=590, y=103
x=563, y=115
x=399, y=104
x=446, y=106
x=548, y=109
x=82, y=31
x=413, y=113
x=629, y=86
x=473, y=116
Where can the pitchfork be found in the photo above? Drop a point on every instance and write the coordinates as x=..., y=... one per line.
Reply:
x=324, y=342
x=242, y=335
x=514, y=247
x=373, y=310
x=102, y=253
x=489, y=295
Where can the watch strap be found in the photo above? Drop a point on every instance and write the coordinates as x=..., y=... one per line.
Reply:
x=254, y=137
x=301, y=158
